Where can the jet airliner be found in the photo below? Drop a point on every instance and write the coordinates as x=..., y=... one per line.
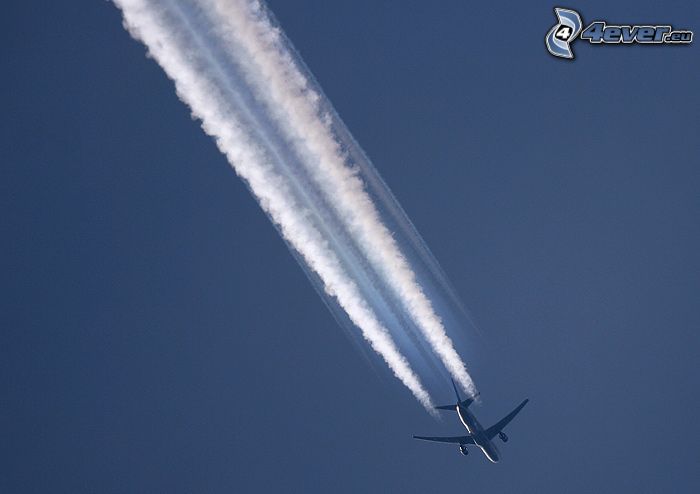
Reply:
x=478, y=436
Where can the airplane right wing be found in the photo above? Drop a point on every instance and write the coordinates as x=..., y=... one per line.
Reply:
x=455, y=439
x=492, y=431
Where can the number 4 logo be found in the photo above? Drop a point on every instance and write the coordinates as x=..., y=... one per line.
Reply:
x=564, y=33
x=567, y=28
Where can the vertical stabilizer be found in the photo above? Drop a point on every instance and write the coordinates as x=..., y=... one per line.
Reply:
x=454, y=386
x=460, y=401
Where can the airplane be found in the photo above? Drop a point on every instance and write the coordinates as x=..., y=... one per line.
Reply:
x=477, y=434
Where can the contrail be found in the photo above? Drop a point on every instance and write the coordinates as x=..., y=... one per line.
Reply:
x=242, y=78
x=168, y=41
x=280, y=81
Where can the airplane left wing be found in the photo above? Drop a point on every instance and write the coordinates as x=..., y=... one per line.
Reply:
x=455, y=439
x=492, y=431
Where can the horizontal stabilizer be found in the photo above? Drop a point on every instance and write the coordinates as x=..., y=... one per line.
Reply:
x=467, y=402
x=453, y=408
x=447, y=407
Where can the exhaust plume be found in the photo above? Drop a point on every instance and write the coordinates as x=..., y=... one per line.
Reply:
x=240, y=76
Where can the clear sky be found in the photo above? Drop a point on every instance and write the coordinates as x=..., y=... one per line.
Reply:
x=157, y=336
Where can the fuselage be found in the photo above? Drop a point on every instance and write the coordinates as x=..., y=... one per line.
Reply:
x=478, y=434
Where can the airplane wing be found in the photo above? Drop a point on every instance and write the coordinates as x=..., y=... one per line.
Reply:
x=492, y=431
x=455, y=439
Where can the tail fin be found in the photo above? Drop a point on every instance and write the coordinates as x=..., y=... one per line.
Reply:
x=454, y=386
x=460, y=401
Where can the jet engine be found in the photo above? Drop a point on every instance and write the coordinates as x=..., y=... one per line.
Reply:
x=503, y=437
x=463, y=449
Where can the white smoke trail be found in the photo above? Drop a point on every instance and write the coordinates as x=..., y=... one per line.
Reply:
x=278, y=77
x=157, y=25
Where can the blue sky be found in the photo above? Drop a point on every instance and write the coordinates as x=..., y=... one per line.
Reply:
x=158, y=336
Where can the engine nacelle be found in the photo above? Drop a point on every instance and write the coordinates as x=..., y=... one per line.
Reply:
x=503, y=437
x=463, y=449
